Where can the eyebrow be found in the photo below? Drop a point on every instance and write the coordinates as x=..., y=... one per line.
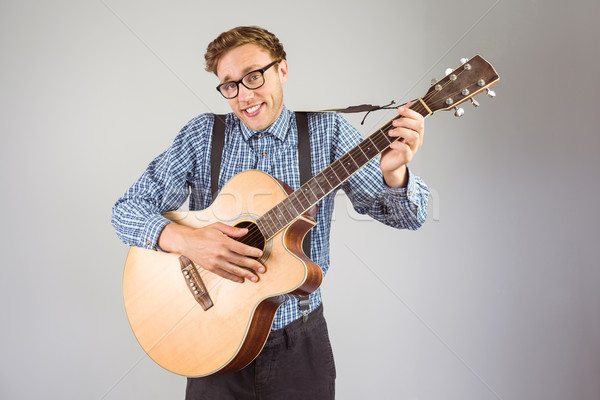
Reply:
x=249, y=68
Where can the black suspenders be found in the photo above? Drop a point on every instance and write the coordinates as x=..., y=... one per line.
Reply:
x=218, y=141
x=304, y=162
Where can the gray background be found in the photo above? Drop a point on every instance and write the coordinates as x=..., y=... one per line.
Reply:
x=496, y=297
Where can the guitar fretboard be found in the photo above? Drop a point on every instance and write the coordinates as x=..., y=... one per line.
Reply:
x=319, y=186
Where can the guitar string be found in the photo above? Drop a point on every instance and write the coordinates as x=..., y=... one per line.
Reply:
x=254, y=233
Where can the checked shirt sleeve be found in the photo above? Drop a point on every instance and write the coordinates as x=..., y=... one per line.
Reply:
x=404, y=208
x=162, y=187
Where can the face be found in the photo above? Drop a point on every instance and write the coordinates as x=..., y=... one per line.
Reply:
x=257, y=108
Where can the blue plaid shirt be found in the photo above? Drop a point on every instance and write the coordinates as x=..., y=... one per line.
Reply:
x=184, y=170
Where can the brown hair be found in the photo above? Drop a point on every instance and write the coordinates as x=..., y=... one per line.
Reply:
x=238, y=37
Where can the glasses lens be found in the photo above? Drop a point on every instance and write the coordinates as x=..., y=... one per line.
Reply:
x=253, y=80
x=228, y=89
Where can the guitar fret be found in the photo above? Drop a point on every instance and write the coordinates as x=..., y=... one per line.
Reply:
x=273, y=223
x=323, y=176
x=339, y=169
x=264, y=226
x=343, y=162
x=336, y=176
x=293, y=197
x=388, y=139
x=290, y=216
x=279, y=217
x=312, y=192
x=322, y=182
x=361, y=154
x=353, y=155
x=304, y=190
x=316, y=180
x=372, y=148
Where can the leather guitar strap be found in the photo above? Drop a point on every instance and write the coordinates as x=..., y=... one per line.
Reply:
x=304, y=162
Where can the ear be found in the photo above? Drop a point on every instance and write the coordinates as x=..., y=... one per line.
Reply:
x=283, y=71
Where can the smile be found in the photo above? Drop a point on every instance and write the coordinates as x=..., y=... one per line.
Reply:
x=253, y=109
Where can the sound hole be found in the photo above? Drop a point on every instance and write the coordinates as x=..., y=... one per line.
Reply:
x=254, y=237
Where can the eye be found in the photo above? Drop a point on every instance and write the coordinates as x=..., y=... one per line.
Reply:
x=228, y=86
x=254, y=76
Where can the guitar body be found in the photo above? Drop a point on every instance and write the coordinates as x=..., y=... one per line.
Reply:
x=171, y=325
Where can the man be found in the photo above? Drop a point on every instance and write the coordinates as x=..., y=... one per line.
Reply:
x=251, y=66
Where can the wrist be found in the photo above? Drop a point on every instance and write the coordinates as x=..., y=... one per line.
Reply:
x=171, y=238
x=397, y=178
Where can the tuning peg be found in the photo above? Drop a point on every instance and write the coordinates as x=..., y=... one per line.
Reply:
x=491, y=94
x=474, y=102
x=459, y=112
x=463, y=60
x=448, y=71
x=433, y=81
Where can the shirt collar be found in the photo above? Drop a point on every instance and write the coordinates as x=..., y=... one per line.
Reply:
x=279, y=128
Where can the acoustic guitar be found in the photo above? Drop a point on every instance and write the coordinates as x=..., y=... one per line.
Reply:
x=195, y=323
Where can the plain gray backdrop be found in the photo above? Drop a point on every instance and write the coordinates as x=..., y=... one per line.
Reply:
x=496, y=297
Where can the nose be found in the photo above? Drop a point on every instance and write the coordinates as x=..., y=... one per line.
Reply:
x=244, y=94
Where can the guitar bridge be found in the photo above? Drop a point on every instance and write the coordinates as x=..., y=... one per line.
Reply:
x=194, y=283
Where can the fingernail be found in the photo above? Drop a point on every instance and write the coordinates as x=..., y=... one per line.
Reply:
x=254, y=279
x=401, y=109
x=261, y=270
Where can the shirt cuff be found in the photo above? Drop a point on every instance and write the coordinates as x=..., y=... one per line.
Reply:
x=152, y=229
x=406, y=198
x=408, y=192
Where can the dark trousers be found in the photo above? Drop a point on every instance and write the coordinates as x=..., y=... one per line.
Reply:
x=296, y=363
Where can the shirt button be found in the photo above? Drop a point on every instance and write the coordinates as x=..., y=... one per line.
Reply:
x=264, y=154
x=409, y=192
x=148, y=242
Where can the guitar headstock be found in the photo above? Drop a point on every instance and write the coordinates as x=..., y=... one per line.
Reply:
x=472, y=77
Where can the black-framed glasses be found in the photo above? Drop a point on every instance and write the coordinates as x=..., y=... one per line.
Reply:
x=252, y=80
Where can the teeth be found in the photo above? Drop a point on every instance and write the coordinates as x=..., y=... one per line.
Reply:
x=252, y=109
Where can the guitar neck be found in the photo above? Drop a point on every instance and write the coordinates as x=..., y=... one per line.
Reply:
x=330, y=178
x=460, y=85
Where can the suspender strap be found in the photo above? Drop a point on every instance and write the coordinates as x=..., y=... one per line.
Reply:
x=218, y=141
x=304, y=162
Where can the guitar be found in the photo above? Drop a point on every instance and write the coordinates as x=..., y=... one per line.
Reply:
x=195, y=323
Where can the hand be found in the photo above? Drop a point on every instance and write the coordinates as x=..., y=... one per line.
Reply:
x=212, y=248
x=394, y=159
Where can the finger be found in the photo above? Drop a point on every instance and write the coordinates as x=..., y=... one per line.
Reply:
x=231, y=271
x=416, y=125
x=240, y=272
x=246, y=262
x=234, y=245
x=407, y=136
x=407, y=112
x=225, y=274
x=401, y=147
x=243, y=249
x=230, y=230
